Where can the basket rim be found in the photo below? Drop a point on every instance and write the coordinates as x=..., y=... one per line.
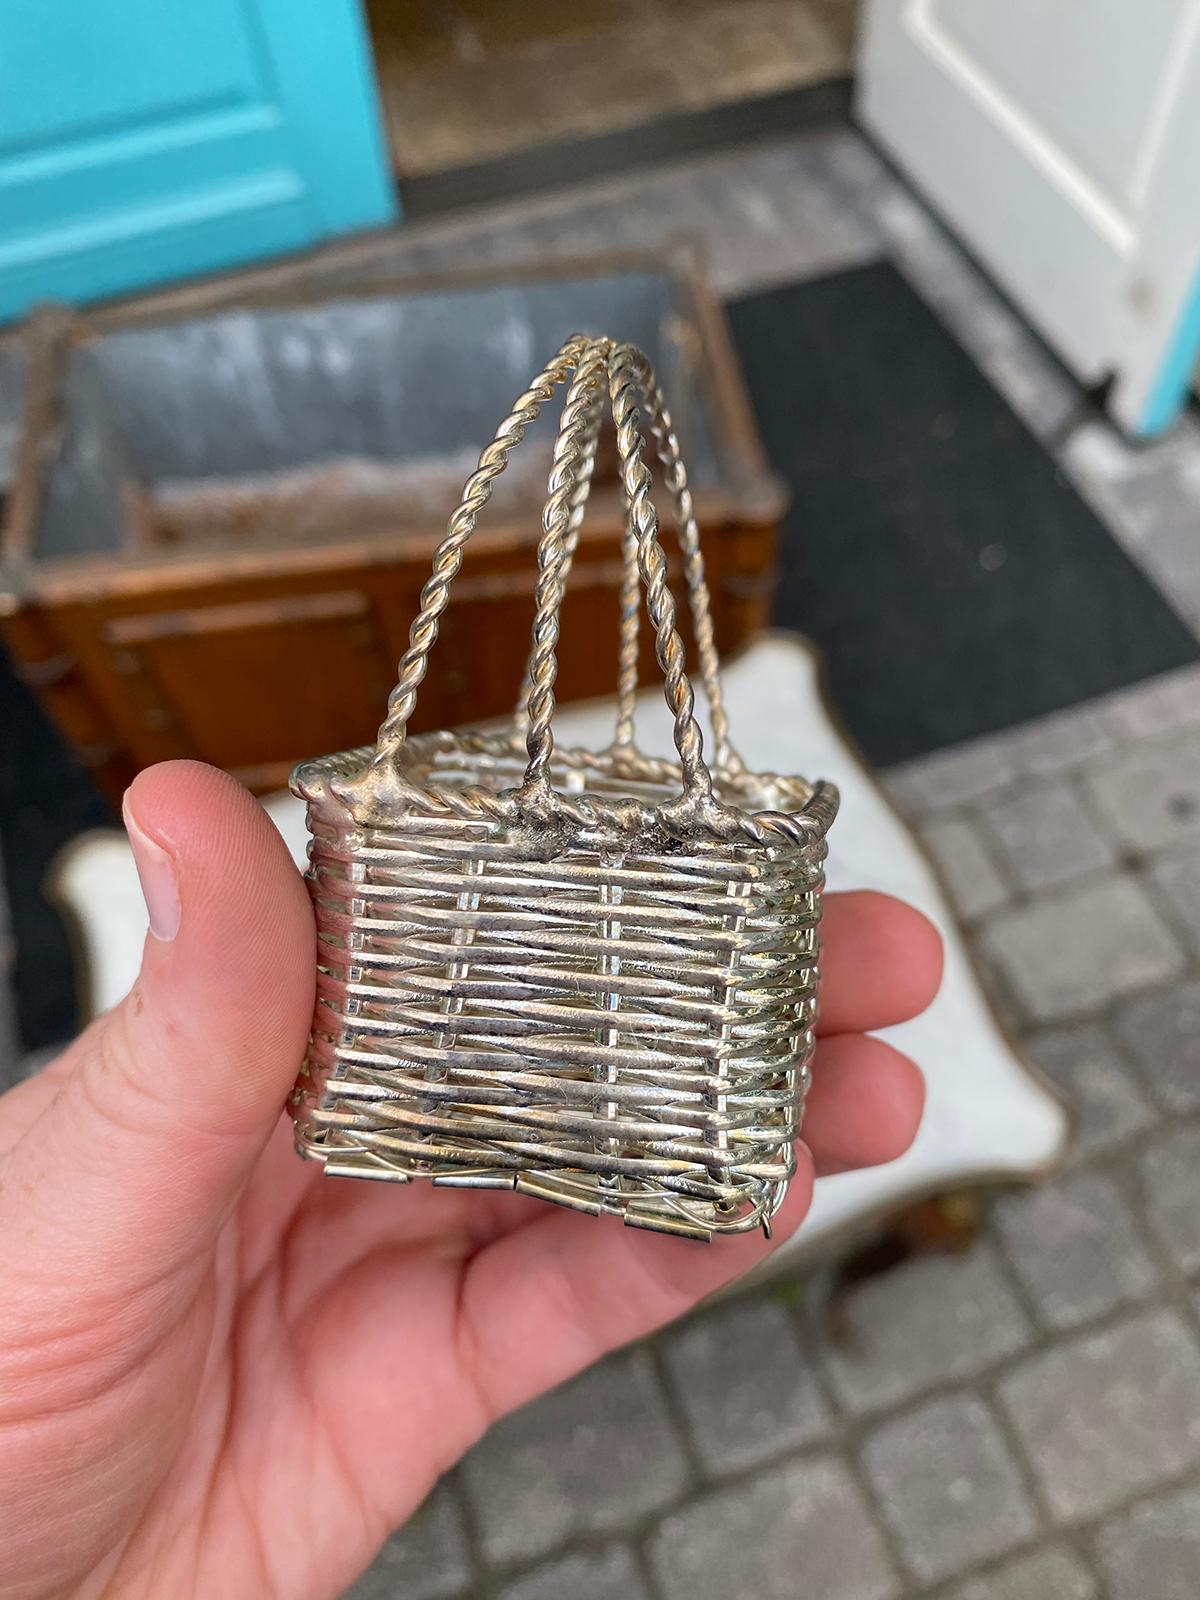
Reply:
x=376, y=792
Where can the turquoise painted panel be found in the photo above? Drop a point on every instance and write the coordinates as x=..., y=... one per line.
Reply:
x=142, y=141
x=1173, y=384
x=82, y=74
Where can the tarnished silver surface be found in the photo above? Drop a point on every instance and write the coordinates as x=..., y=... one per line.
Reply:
x=590, y=977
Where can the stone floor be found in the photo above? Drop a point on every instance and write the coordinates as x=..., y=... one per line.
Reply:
x=466, y=81
x=1020, y=1420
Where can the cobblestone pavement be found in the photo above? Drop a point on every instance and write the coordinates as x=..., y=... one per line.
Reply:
x=1019, y=1421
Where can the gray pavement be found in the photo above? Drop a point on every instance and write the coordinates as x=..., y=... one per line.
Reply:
x=1019, y=1421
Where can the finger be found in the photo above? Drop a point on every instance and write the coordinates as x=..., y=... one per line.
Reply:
x=865, y=1104
x=170, y=1097
x=881, y=962
x=548, y=1299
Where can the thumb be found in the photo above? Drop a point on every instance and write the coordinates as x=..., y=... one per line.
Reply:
x=169, y=1099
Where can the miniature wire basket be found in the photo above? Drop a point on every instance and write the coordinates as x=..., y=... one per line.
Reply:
x=587, y=976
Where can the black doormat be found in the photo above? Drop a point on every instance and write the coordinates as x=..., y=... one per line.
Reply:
x=46, y=799
x=956, y=581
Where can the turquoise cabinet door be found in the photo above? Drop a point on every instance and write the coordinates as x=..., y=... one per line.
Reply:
x=142, y=140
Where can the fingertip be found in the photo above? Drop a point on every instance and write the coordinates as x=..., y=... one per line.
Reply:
x=881, y=961
x=899, y=929
x=240, y=969
x=865, y=1106
x=926, y=953
x=167, y=783
x=199, y=811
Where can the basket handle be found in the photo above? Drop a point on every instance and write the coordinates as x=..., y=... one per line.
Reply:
x=449, y=555
x=591, y=361
x=675, y=478
x=577, y=505
x=627, y=370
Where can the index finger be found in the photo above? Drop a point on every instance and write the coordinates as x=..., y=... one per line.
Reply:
x=881, y=962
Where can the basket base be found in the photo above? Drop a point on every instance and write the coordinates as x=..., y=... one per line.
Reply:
x=576, y=1190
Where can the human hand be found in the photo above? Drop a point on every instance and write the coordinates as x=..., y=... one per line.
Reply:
x=223, y=1375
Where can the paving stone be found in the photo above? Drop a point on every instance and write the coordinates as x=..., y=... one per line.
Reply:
x=934, y=1319
x=1002, y=1002
x=857, y=170
x=1177, y=876
x=1157, y=706
x=1052, y=1574
x=592, y=1455
x=948, y=1486
x=1155, y=514
x=1172, y=562
x=1043, y=395
x=946, y=779
x=1151, y=796
x=1109, y=1414
x=427, y=1559
x=1047, y=746
x=1045, y=836
x=1169, y=555
x=610, y=1574
x=1152, y=1551
x=1076, y=1248
x=803, y=1528
x=746, y=1389
x=1075, y=952
x=1162, y=1034
x=786, y=218
x=1083, y=1060
x=956, y=845
x=1096, y=456
x=1170, y=1169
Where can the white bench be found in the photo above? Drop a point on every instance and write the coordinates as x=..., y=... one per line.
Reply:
x=990, y=1115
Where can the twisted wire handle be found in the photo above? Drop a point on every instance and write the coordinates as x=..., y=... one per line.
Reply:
x=448, y=558
x=628, y=375
x=577, y=436
x=584, y=471
x=675, y=478
x=625, y=368
x=631, y=617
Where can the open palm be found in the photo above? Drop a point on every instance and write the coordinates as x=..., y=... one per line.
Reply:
x=224, y=1374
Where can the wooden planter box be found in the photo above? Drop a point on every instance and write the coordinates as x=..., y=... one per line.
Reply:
x=227, y=499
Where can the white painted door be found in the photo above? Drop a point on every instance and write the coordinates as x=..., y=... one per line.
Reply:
x=1060, y=139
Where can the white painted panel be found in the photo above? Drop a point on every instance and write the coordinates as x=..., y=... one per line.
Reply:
x=1055, y=245
x=1060, y=139
x=1086, y=71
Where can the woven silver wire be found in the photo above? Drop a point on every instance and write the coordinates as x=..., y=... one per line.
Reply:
x=588, y=976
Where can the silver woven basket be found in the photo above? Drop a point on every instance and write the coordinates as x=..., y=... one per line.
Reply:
x=588, y=976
